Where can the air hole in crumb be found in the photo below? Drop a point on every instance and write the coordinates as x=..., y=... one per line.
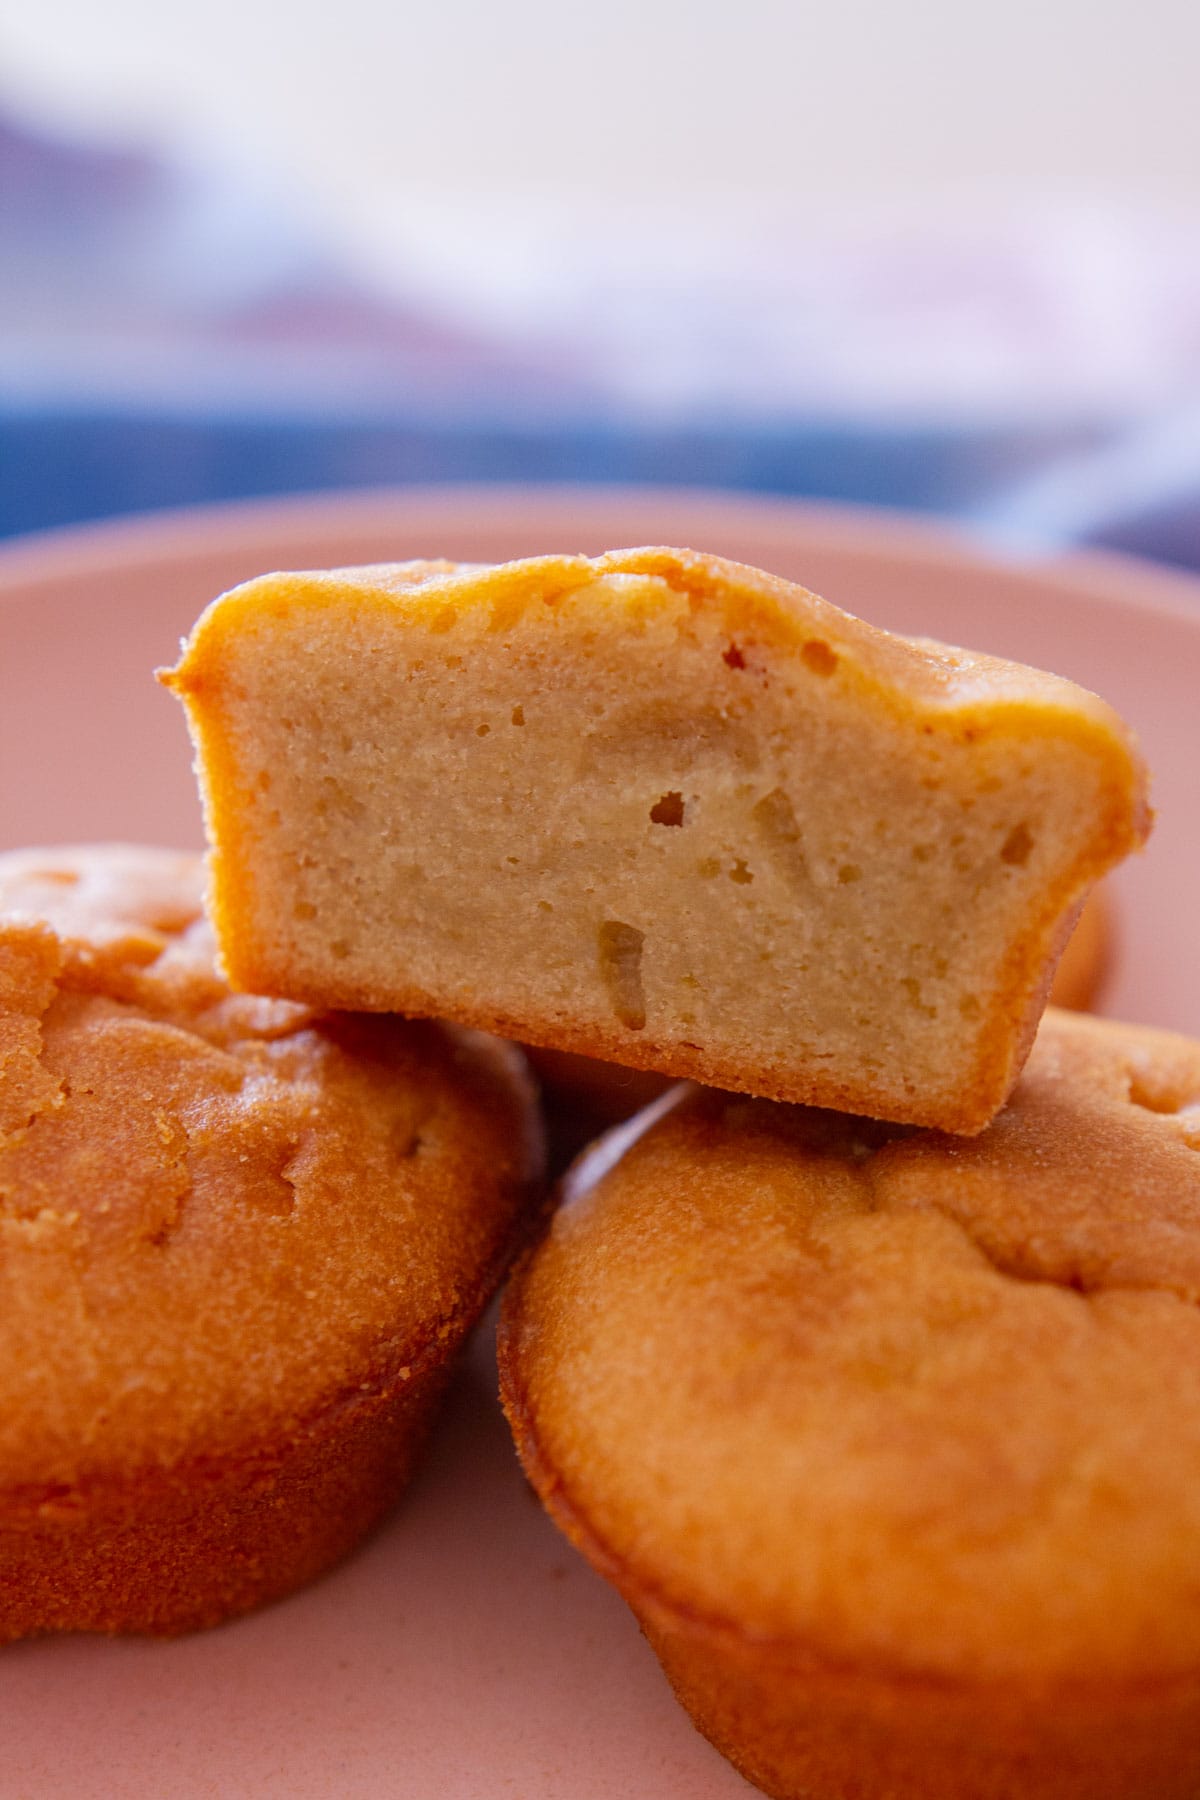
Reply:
x=776, y=824
x=336, y=797
x=482, y=730
x=708, y=866
x=619, y=950
x=969, y=1007
x=518, y=715
x=818, y=657
x=304, y=909
x=340, y=948
x=545, y=906
x=922, y=853
x=912, y=988
x=264, y=780
x=668, y=810
x=733, y=657
x=740, y=873
x=849, y=872
x=1017, y=845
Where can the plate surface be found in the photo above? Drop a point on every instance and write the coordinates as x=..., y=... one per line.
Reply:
x=466, y=1652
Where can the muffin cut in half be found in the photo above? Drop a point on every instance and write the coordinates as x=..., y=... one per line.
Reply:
x=239, y=1244
x=583, y=1097
x=657, y=808
x=891, y=1440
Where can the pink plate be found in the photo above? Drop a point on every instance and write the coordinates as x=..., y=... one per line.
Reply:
x=466, y=1653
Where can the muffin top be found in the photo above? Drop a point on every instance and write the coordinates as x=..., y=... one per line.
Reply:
x=218, y=1214
x=886, y=1398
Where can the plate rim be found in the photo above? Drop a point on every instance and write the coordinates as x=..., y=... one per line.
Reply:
x=915, y=540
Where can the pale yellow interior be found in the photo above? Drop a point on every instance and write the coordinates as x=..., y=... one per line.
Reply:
x=646, y=835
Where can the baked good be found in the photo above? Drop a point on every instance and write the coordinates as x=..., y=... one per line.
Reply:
x=239, y=1244
x=656, y=808
x=1085, y=964
x=891, y=1439
x=584, y=1097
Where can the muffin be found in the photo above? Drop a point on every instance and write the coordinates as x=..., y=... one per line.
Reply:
x=891, y=1439
x=240, y=1242
x=655, y=808
x=584, y=1097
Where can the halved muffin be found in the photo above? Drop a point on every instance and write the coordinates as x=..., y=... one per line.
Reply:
x=657, y=808
x=240, y=1242
x=584, y=1097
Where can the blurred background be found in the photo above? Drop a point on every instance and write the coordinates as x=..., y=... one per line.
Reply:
x=942, y=256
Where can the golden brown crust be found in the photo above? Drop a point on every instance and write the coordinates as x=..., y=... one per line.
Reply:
x=239, y=1242
x=320, y=894
x=892, y=1440
x=178, y=1548
x=1087, y=961
x=861, y=1735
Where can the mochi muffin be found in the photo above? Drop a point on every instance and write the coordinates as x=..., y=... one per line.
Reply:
x=240, y=1242
x=656, y=808
x=583, y=1097
x=891, y=1439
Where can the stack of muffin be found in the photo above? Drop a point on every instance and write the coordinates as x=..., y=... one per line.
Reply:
x=869, y=1372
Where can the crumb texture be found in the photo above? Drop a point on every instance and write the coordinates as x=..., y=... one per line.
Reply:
x=654, y=807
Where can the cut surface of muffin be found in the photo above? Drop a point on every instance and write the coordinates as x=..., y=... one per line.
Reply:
x=891, y=1439
x=657, y=808
x=584, y=1097
x=240, y=1241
